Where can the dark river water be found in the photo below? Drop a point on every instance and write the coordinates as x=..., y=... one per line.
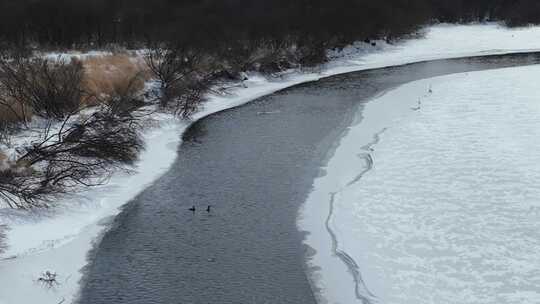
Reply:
x=255, y=165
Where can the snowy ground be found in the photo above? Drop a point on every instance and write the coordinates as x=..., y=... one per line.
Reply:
x=449, y=211
x=59, y=239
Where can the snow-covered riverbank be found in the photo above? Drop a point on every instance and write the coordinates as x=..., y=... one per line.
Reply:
x=60, y=240
x=447, y=211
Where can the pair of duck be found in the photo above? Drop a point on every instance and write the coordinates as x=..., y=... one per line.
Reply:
x=192, y=209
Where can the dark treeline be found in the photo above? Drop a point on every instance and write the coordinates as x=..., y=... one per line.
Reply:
x=213, y=23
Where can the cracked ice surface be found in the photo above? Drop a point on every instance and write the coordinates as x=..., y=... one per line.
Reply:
x=450, y=212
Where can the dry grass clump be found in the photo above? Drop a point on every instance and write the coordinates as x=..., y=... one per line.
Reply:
x=113, y=75
x=12, y=112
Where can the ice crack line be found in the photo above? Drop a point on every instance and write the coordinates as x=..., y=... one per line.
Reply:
x=360, y=288
x=361, y=291
x=367, y=157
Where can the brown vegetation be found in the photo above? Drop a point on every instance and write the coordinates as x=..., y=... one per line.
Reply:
x=112, y=75
x=12, y=112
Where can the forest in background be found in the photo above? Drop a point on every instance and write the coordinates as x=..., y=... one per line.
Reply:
x=213, y=24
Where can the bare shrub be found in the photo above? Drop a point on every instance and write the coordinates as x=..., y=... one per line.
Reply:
x=12, y=112
x=181, y=76
x=5, y=135
x=52, y=89
x=83, y=152
x=273, y=56
x=49, y=279
x=238, y=58
x=186, y=96
x=311, y=56
x=171, y=65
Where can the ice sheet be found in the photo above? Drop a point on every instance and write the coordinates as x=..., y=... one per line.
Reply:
x=448, y=212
